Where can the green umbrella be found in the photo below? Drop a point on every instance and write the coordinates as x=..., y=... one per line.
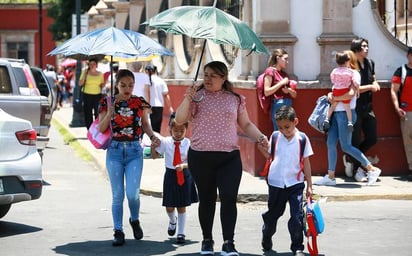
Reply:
x=209, y=23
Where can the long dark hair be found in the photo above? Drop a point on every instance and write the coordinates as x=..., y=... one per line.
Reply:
x=150, y=71
x=120, y=74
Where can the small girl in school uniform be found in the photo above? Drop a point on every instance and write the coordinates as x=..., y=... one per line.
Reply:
x=179, y=190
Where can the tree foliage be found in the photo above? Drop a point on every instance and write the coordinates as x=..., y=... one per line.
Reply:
x=61, y=11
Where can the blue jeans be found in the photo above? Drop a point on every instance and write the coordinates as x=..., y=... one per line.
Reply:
x=275, y=106
x=124, y=160
x=339, y=131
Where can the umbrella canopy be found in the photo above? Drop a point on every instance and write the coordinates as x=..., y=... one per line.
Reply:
x=208, y=23
x=112, y=42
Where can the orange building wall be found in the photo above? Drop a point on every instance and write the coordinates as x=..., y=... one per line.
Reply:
x=28, y=19
x=389, y=147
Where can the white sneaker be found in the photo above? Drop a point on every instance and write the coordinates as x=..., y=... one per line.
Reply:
x=348, y=167
x=360, y=175
x=325, y=181
x=373, y=176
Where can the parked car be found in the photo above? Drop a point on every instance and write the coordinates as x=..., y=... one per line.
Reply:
x=20, y=163
x=19, y=96
x=46, y=87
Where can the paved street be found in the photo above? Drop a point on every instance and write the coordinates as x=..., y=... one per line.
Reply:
x=73, y=218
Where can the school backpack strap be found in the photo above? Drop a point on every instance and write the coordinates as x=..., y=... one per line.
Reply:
x=302, y=144
x=265, y=171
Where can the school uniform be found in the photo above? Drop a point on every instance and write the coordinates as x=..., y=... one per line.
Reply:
x=286, y=186
x=175, y=195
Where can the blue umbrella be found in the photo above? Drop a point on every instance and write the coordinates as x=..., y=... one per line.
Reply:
x=111, y=41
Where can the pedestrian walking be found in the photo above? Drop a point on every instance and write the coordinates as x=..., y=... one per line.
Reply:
x=127, y=117
x=285, y=182
x=92, y=82
x=179, y=190
x=215, y=112
x=158, y=95
x=142, y=83
x=401, y=95
x=364, y=134
x=338, y=131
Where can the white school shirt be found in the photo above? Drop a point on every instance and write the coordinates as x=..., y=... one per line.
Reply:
x=283, y=173
x=167, y=147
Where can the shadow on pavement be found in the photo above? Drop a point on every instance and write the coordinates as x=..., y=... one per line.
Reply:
x=13, y=228
x=131, y=247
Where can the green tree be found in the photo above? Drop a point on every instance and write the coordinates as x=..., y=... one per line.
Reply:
x=61, y=11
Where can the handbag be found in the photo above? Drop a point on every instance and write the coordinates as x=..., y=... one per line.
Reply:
x=319, y=114
x=100, y=140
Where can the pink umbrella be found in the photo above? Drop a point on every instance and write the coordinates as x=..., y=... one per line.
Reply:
x=68, y=62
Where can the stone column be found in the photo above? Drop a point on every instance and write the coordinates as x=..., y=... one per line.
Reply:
x=135, y=14
x=273, y=26
x=121, y=14
x=336, y=36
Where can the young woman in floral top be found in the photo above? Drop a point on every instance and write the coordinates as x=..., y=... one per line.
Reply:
x=128, y=116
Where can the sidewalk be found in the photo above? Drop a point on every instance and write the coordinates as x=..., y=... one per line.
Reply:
x=251, y=188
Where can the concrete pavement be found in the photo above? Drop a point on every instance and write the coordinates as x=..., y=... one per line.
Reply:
x=251, y=188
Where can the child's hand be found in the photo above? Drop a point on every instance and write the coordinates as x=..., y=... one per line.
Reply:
x=309, y=192
x=154, y=153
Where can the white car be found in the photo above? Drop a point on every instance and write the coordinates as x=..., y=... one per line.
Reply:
x=20, y=163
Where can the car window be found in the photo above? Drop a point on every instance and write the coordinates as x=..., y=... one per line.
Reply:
x=21, y=77
x=5, y=83
x=40, y=82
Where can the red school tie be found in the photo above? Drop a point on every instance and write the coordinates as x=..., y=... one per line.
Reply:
x=176, y=161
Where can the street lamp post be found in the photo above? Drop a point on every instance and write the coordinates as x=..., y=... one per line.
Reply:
x=78, y=116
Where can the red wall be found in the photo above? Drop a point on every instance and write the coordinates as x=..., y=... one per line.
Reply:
x=389, y=147
x=27, y=18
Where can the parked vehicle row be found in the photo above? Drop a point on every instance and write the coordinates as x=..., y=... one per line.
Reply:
x=27, y=96
x=27, y=102
x=20, y=163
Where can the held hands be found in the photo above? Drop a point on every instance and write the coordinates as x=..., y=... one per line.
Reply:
x=263, y=143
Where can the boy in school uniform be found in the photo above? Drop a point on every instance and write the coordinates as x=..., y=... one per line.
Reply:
x=288, y=170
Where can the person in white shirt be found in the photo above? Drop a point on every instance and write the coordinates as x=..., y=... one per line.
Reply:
x=159, y=93
x=141, y=81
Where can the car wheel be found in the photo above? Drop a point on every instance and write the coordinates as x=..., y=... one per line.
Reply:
x=4, y=209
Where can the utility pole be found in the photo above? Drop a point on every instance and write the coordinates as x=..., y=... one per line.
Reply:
x=41, y=33
x=78, y=117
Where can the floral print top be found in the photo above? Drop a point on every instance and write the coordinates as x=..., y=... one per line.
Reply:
x=127, y=119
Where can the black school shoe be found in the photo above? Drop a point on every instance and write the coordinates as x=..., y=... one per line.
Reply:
x=137, y=230
x=118, y=238
x=181, y=239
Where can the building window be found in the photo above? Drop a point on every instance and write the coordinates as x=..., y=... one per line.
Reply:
x=18, y=50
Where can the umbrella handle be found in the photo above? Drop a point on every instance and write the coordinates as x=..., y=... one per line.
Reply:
x=200, y=60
